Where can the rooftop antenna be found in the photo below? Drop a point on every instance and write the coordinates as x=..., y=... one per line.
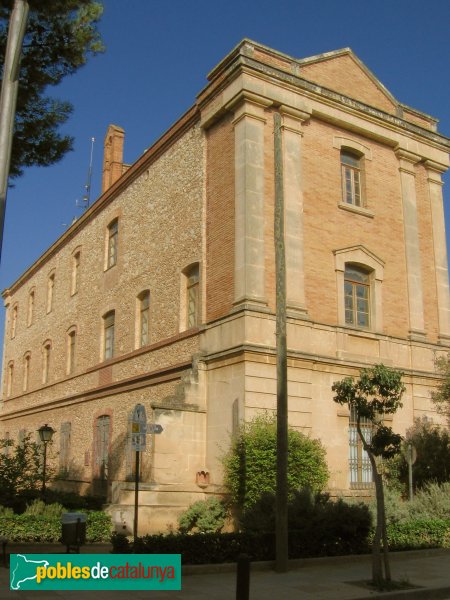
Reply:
x=85, y=201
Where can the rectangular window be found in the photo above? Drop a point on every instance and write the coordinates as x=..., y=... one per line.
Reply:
x=351, y=178
x=361, y=474
x=109, y=323
x=113, y=239
x=102, y=446
x=357, y=296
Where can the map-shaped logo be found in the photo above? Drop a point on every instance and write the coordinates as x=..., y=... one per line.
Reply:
x=24, y=570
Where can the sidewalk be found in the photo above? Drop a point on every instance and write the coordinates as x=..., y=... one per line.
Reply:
x=308, y=579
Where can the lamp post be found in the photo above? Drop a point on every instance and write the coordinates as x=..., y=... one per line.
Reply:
x=45, y=435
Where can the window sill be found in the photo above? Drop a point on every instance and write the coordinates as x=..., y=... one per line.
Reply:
x=359, y=210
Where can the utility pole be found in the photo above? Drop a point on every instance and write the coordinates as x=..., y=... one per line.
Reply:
x=281, y=560
x=8, y=98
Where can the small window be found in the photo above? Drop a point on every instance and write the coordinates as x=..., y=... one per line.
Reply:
x=351, y=178
x=108, y=334
x=64, y=449
x=10, y=378
x=113, y=239
x=30, y=316
x=71, y=351
x=192, y=295
x=26, y=371
x=144, y=318
x=46, y=352
x=15, y=310
x=50, y=292
x=357, y=296
x=102, y=440
x=75, y=272
x=361, y=473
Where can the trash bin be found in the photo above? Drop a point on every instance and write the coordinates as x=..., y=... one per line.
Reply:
x=73, y=529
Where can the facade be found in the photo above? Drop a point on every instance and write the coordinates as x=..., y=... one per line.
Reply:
x=163, y=292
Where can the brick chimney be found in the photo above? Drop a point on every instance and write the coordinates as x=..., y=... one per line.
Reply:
x=113, y=166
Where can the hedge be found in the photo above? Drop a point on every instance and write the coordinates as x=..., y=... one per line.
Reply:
x=211, y=548
x=36, y=528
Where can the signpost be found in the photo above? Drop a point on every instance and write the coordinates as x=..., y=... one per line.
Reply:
x=139, y=430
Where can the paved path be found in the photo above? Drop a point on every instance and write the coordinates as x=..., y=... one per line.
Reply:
x=311, y=579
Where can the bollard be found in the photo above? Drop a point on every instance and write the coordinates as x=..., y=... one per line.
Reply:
x=243, y=577
x=4, y=542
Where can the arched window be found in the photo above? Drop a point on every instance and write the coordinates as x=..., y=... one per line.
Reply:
x=143, y=318
x=10, y=378
x=108, y=334
x=30, y=316
x=15, y=310
x=50, y=291
x=71, y=350
x=46, y=352
x=112, y=243
x=192, y=296
x=357, y=296
x=351, y=166
x=26, y=371
x=76, y=258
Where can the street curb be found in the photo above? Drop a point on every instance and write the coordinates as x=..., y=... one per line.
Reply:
x=417, y=594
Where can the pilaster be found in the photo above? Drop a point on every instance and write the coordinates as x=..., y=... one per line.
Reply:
x=407, y=160
x=435, y=183
x=249, y=123
x=292, y=120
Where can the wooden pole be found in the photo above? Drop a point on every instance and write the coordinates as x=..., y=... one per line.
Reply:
x=281, y=561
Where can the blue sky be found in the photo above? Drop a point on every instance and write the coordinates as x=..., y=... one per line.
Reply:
x=158, y=54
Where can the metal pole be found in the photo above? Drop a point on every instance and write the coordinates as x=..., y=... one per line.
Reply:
x=243, y=577
x=281, y=561
x=136, y=497
x=43, y=470
x=410, y=474
x=8, y=98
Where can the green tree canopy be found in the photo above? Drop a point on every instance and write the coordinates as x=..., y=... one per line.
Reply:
x=250, y=463
x=60, y=36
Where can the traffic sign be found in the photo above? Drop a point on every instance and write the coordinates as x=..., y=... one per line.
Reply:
x=138, y=428
x=154, y=428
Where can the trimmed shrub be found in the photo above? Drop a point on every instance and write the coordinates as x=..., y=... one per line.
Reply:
x=250, y=463
x=432, y=533
x=205, y=516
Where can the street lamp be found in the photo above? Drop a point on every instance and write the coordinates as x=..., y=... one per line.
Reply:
x=45, y=435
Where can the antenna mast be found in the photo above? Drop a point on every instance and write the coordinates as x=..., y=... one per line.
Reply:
x=87, y=187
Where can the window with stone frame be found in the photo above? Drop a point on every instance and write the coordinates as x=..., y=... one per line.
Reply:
x=14, y=312
x=352, y=179
x=64, y=448
x=9, y=378
x=71, y=350
x=112, y=243
x=357, y=296
x=46, y=354
x=361, y=473
x=144, y=318
x=192, y=296
x=50, y=292
x=76, y=259
x=30, y=315
x=108, y=334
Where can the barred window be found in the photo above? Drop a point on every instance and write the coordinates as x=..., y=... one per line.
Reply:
x=361, y=474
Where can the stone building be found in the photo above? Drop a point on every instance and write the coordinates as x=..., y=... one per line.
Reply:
x=163, y=292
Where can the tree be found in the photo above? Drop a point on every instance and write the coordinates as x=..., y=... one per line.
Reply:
x=441, y=397
x=377, y=392
x=60, y=36
x=250, y=463
x=432, y=446
x=20, y=472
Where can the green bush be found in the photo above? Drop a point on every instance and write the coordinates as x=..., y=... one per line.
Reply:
x=40, y=508
x=250, y=463
x=44, y=528
x=432, y=533
x=205, y=516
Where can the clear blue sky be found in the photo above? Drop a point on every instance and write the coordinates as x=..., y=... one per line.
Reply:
x=158, y=54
